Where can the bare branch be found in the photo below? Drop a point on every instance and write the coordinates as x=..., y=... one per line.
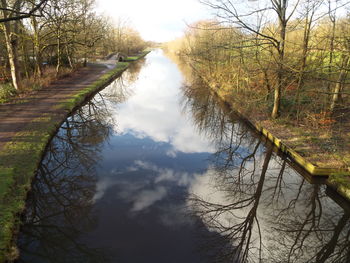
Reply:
x=22, y=15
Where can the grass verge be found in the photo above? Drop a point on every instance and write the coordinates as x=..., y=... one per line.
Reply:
x=20, y=158
x=341, y=183
x=136, y=57
x=339, y=177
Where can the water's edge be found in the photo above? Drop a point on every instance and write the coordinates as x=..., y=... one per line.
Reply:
x=153, y=165
x=15, y=206
x=334, y=174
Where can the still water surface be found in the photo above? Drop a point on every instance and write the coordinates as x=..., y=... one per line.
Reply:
x=156, y=170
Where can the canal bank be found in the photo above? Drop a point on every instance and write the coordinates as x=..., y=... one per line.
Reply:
x=26, y=130
x=152, y=170
x=338, y=178
x=311, y=148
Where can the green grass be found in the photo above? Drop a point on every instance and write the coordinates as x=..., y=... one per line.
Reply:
x=134, y=58
x=79, y=97
x=299, y=142
x=7, y=92
x=341, y=183
x=18, y=162
x=131, y=59
x=20, y=158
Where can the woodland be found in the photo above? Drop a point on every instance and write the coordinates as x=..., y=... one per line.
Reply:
x=41, y=41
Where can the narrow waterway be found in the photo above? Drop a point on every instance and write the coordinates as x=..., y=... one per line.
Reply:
x=153, y=169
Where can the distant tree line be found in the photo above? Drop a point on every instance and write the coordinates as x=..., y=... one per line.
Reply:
x=45, y=37
x=285, y=57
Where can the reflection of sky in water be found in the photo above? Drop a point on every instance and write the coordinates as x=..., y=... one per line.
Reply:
x=153, y=137
x=147, y=167
x=157, y=157
x=157, y=164
x=153, y=110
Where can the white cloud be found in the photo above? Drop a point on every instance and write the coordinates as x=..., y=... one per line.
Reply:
x=171, y=153
x=147, y=198
x=127, y=189
x=104, y=184
x=142, y=193
x=204, y=187
x=101, y=188
x=166, y=174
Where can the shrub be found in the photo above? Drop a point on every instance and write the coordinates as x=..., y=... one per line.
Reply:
x=7, y=91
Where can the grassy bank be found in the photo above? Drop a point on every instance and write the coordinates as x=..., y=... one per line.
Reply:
x=320, y=147
x=20, y=158
x=296, y=143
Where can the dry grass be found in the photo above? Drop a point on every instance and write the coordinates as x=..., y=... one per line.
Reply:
x=322, y=139
x=49, y=75
x=32, y=84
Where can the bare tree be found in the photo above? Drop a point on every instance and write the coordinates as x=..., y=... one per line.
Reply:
x=310, y=9
x=17, y=14
x=228, y=11
x=59, y=208
x=11, y=38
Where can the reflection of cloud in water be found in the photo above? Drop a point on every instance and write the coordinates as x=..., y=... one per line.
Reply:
x=166, y=174
x=101, y=187
x=205, y=187
x=140, y=192
x=171, y=153
x=228, y=208
x=150, y=111
x=103, y=184
x=146, y=198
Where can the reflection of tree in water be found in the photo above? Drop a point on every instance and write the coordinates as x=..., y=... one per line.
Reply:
x=59, y=206
x=207, y=115
x=257, y=202
x=119, y=90
x=134, y=70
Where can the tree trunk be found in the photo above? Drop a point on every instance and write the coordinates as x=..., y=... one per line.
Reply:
x=69, y=57
x=11, y=46
x=278, y=88
x=264, y=71
x=37, y=48
x=281, y=9
x=300, y=84
x=339, y=85
x=58, y=51
x=26, y=60
x=277, y=100
x=332, y=18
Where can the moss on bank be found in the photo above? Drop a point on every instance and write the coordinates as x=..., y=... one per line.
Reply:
x=20, y=158
x=341, y=183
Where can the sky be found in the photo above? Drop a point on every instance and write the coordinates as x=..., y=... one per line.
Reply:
x=156, y=20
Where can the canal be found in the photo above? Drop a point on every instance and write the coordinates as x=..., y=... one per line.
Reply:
x=154, y=168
